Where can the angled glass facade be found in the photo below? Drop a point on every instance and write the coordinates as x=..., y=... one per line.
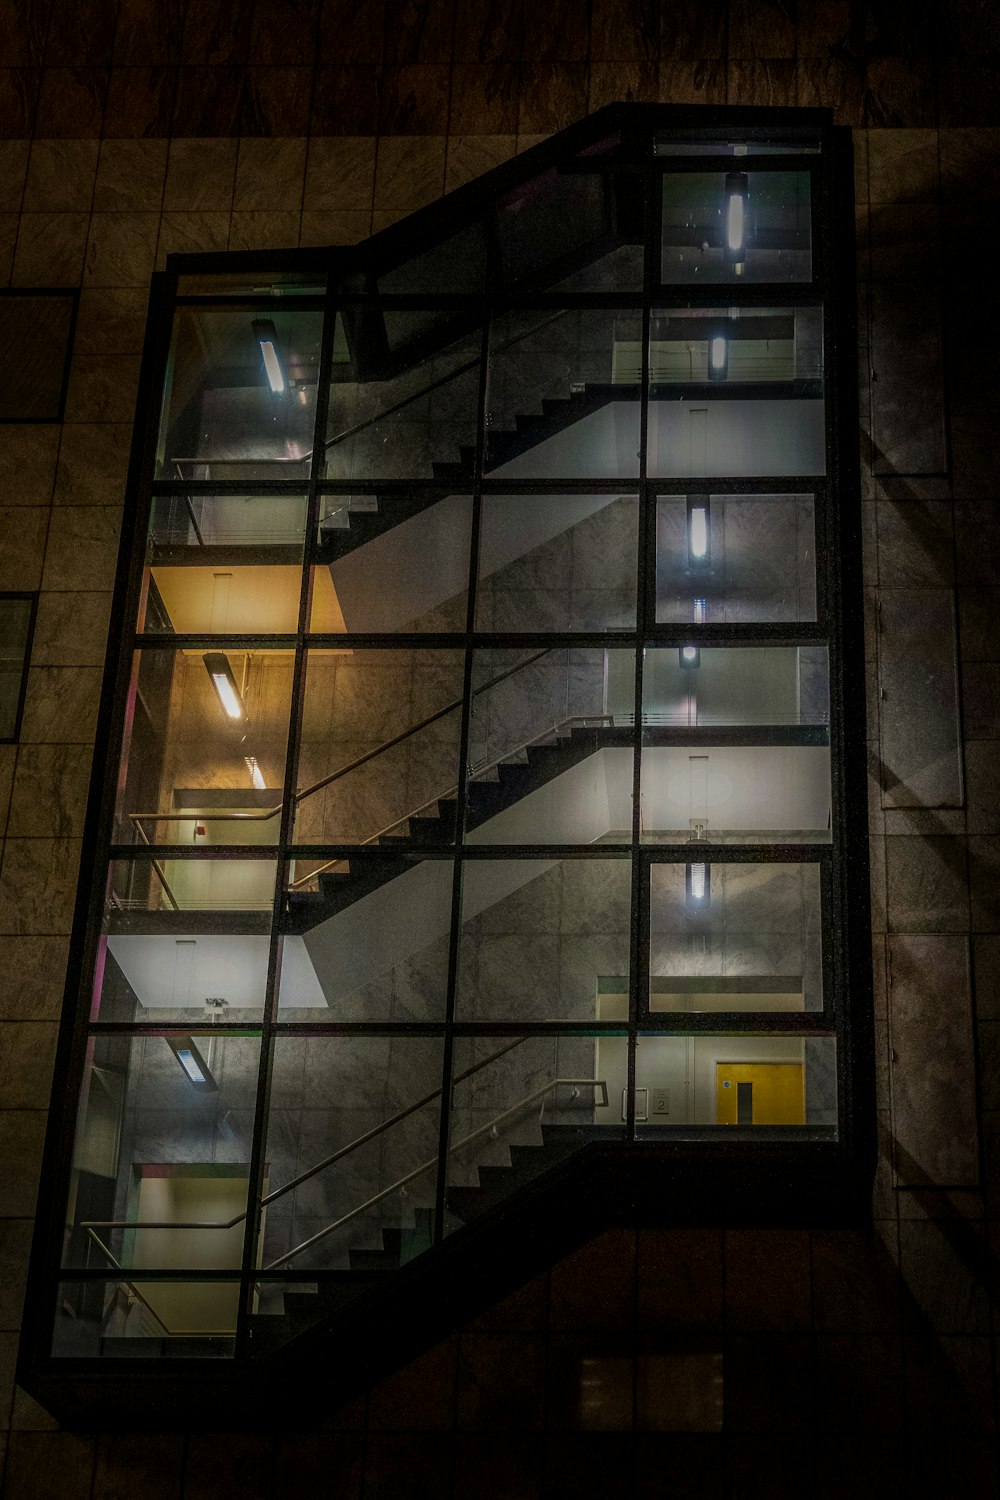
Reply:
x=478, y=784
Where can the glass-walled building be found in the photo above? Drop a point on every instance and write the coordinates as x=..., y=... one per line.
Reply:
x=481, y=804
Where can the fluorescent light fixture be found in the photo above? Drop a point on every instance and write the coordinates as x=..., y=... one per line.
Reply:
x=697, y=529
x=193, y=1065
x=718, y=355
x=697, y=885
x=266, y=335
x=690, y=656
x=221, y=673
x=700, y=611
x=256, y=774
x=737, y=193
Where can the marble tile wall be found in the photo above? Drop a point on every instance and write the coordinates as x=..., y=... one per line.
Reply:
x=128, y=131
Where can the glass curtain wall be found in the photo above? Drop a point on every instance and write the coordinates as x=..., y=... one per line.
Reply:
x=472, y=797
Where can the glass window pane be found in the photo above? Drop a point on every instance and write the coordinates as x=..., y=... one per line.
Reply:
x=735, y=937
x=740, y=1082
x=185, y=940
x=239, y=396
x=204, y=755
x=379, y=747
x=736, y=744
x=520, y=1107
x=15, y=645
x=401, y=406
x=150, y=1319
x=736, y=226
x=539, y=937
x=366, y=939
x=550, y=755
x=454, y=265
x=392, y=562
x=579, y=231
x=735, y=559
x=736, y=393
x=562, y=400
x=557, y=562
x=373, y=1104
x=163, y=1138
x=224, y=564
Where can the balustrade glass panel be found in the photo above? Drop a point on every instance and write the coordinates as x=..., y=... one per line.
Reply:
x=145, y=1317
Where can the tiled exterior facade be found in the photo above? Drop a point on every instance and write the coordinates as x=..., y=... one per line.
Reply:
x=852, y=1362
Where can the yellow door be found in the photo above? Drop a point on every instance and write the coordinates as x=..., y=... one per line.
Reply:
x=760, y=1093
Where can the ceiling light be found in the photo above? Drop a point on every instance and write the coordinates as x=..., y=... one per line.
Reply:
x=700, y=611
x=267, y=337
x=256, y=774
x=690, y=656
x=718, y=355
x=221, y=673
x=193, y=1065
x=737, y=193
x=697, y=885
x=697, y=527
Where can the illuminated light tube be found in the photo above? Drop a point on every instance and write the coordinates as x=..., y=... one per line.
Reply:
x=690, y=657
x=266, y=335
x=193, y=1065
x=697, y=529
x=718, y=356
x=221, y=673
x=700, y=611
x=737, y=193
x=698, y=883
x=256, y=774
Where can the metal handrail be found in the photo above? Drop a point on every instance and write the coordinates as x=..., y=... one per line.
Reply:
x=597, y=1083
x=132, y=1288
x=265, y=814
x=91, y=1224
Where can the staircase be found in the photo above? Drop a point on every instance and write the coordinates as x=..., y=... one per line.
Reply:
x=490, y=793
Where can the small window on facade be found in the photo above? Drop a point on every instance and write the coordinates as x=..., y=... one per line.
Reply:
x=36, y=329
x=17, y=618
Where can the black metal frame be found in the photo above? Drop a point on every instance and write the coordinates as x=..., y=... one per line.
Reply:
x=756, y=1167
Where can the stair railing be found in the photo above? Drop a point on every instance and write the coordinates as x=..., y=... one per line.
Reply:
x=402, y=1182
x=265, y=814
x=92, y=1225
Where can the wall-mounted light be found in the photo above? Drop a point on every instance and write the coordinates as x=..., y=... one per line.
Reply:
x=718, y=354
x=690, y=656
x=221, y=673
x=266, y=335
x=737, y=194
x=256, y=774
x=698, y=539
x=697, y=886
x=193, y=1065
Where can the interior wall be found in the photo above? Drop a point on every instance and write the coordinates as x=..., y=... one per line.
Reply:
x=127, y=133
